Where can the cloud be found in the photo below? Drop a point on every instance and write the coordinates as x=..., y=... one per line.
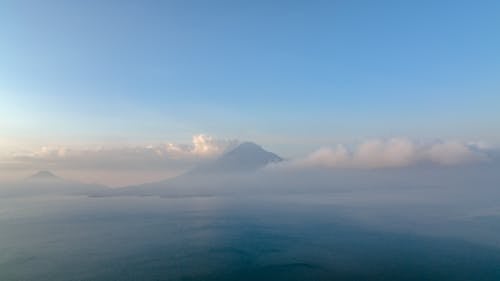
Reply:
x=391, y=153
x=113, y=165
x=453, y=152
x=326, y=157
x=394, y=152
x=137, y=164
x=149, y=157
x=204, y=145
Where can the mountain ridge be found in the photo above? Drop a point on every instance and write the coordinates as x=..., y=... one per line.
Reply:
x=244, y=159
x=44, y=183
x=44, y=175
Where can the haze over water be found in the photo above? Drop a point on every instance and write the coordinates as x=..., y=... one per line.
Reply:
x=249, y=140
x=221, y=238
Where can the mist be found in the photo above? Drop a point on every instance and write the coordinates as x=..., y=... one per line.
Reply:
x=249, y=140
x=250, y=214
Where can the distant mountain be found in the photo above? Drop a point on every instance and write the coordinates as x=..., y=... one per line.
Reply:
x=245, y=157
x=226, y=170
x=44, y=183
x=44, y=176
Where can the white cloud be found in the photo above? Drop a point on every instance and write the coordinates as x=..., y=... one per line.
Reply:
x=112, y=165
x=126, y=163
x=394, y=152
x=327, y=157
x=204, y=145
x=160, y=156
x=453, y=152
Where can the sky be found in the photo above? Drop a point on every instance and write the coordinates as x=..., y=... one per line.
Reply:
x=290, y=75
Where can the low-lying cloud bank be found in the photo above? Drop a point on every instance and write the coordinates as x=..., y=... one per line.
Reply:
x=115, y=166
x=160, y=156
x=120, y=166
x=392, y=153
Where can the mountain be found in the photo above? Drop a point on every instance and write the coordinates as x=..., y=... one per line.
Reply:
x=44, y=176
x=44, y=183
x=228, y=170
x=246, y=157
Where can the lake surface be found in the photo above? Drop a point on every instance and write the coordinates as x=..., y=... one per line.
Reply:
x=222, y=238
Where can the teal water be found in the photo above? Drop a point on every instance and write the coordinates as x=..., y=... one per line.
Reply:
x=218, y=239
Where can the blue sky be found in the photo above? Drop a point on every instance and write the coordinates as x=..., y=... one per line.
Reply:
x=281, y=73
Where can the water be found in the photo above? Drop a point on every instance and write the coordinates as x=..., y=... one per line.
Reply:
x=220, y=238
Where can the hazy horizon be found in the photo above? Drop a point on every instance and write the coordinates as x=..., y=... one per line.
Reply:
x=129, y=165
x=249, y=140
x=95, y=81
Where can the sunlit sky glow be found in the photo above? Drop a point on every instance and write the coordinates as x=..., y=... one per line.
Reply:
x=293, y=76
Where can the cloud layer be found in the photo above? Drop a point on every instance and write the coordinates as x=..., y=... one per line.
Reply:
x=391, y=153
x=166, y=154
x=137, y=164
x=167, y=157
